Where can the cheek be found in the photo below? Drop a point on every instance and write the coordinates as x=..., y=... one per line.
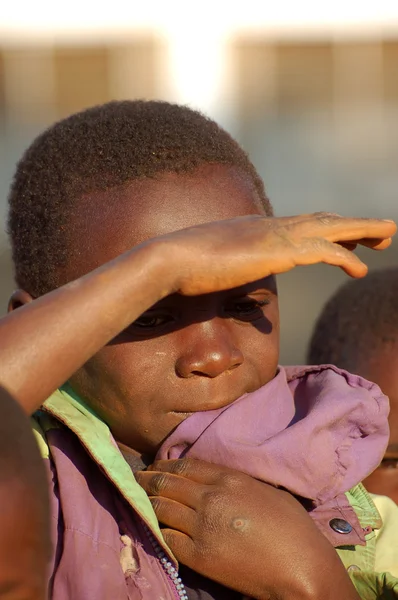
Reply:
x=267, y=343
x=125, y=376
x=264, y=347
x=134, y=368
x=260, y=349
x=383, y=482
x=129, y=387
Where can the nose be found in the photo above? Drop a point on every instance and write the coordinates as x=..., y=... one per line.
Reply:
x=209, y=350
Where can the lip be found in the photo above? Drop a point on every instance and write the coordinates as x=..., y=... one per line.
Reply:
x=207, y=407
x=182, y=413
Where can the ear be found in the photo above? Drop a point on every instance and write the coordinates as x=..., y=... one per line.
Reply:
x=18, y=299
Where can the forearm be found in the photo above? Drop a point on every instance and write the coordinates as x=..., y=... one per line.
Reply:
x=327, y=579
x=340, y=587
x=25, y=547
x=45, y=342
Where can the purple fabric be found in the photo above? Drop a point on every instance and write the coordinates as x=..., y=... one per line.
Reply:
x=89, y=519
x=315, y=431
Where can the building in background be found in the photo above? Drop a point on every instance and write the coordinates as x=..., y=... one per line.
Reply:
x=313, y=98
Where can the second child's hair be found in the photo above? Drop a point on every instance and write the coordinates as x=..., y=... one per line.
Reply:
x=95, y=150
x=357, y=321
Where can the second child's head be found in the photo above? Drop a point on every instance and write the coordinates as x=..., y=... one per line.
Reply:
x=104, y=180
x=358, y=331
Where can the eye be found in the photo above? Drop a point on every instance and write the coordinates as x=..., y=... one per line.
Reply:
x=247, y=308
x=151, y=321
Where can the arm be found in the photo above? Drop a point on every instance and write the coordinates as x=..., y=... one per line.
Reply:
x=24, y=526
x=47, y=340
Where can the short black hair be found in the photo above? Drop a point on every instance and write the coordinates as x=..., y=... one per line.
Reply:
x=98, y=149
x=357, y=321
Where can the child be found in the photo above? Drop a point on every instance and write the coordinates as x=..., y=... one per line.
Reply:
x=24, y=531
x=357, y=331
x=186, y=320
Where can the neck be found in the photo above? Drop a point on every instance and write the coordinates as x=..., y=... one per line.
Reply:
x=136, y=460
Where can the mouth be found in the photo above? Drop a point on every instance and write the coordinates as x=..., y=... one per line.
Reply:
x=205, y=407
x=183, y=413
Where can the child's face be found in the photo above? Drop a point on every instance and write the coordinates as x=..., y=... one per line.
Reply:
x=187, y=354
x=384, y=372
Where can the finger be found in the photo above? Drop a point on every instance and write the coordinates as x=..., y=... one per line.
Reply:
x=368, y=243
x=363, y=229
x=375, y=244
x=181, y=545
x=320, y=250
x=343, y=229
x=174, y=515
x=191, y=468
x=171, y=486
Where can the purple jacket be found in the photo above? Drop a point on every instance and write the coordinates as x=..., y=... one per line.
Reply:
x=315, y=431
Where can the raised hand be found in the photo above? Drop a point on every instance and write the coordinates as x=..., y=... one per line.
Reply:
x=227, y=254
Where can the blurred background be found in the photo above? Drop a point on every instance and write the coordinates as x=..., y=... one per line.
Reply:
x=311, y=93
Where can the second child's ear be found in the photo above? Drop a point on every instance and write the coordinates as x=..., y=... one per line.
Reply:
x=18, y=299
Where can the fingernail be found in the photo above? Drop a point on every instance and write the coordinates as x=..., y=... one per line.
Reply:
x=388, y=220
